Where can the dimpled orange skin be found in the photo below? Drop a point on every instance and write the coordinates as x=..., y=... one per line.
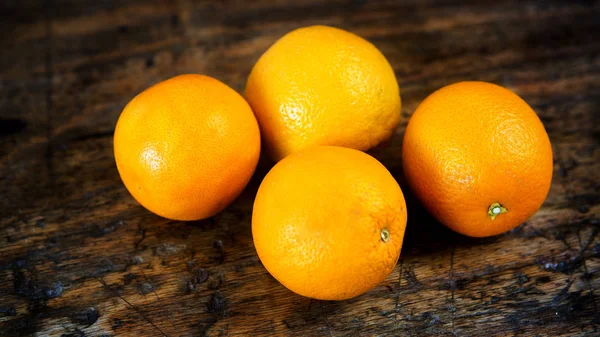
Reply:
x=321, y=85
x=186, y=147
x=318, y=219
x=470, y=145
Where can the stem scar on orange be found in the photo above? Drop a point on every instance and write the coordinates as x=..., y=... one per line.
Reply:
x=328, y=222
x=478, y=157
x=186, y=147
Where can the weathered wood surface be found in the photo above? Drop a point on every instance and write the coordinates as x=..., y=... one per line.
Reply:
x=79, y=257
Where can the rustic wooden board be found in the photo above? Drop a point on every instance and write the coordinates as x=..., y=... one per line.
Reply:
x=79, y=257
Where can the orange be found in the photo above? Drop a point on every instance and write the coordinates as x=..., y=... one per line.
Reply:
x=328, y=222
x=323, y=86
x=478, y=157
x=186, y=147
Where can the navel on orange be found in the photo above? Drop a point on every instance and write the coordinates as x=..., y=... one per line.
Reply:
x=186, y=147
x=478, y=157
x=328, y=222
x=323, y=86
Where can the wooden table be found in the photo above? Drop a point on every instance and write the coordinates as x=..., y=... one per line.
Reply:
x=79, y=257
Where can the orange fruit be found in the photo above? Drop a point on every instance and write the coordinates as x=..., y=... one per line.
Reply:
x=328, y=222
x=323, y=86
x=478, y=157
x=186, y=147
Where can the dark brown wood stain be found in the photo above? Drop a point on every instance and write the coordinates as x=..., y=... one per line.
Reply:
x=79, y=257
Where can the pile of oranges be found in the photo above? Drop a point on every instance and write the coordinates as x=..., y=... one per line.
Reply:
x=328, y=219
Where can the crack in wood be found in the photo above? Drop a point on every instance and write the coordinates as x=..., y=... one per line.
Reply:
x=157, y=297
x=566, y=183
x=397, y=305
x=328, y=326
x=116, y=294
x=585, y=268
x=452, y=286
x=48, y=95
x=139, y=241
x=183, y=9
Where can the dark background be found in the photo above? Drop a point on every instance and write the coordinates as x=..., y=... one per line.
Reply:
x=79, y=257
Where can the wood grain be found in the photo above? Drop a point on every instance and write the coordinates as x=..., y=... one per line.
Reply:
x=79, y=257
